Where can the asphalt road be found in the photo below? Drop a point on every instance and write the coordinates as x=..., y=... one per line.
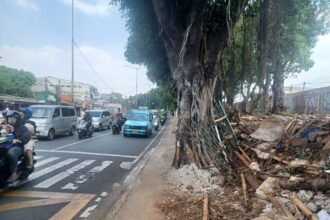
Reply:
x=73, y=177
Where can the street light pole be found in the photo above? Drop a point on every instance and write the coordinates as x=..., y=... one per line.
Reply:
x=72, y=50
x=136, y=80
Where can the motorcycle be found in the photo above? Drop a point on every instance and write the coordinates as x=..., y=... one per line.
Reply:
x=162, y=120
x=22, y=172
x=117, y=126
x=156, y=124
x=82, y=130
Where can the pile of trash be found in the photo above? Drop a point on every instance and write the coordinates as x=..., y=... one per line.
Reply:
x=285, y=160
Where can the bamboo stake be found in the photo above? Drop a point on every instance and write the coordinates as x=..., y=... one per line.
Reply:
x=280, y=206
x=244, y=188
x=252, y=181
x=220, y=119
x=206, y=207
x=302, y=207
x=242, y=159
x=245, y=155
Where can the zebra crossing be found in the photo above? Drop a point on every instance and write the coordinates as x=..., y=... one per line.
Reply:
x=54, y=167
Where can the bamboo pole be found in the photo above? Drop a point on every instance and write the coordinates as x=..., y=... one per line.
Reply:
x=302, y=207
x=244, y=188
x=206, y=207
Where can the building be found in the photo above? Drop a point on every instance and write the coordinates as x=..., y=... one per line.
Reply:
x=55, y=90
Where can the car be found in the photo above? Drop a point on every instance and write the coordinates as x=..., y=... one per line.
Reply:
x=101, y=119
x=139, y=122
x=54, y=120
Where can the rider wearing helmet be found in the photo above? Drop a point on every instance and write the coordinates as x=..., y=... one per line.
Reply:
x=26, y=114
x=22, y=136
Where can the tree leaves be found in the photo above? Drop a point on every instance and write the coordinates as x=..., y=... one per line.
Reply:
x=16, y=82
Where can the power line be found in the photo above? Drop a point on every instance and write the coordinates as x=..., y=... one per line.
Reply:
x=90, y=65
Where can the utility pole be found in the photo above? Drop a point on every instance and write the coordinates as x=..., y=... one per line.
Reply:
x=304, y=86
x=72, y=50
x=136, y=80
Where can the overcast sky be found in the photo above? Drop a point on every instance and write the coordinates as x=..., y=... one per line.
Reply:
x=35, y=35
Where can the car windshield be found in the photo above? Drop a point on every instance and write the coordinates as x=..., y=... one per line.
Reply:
x=41, y=112
x=137, y=117
x=95, y=114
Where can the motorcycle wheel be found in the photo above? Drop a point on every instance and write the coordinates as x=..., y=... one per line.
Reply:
x=80, y=135
x=90, y=134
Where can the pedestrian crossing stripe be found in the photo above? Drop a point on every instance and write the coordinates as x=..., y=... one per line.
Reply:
x=51, y=181
x=64, y=174
x=75, y=201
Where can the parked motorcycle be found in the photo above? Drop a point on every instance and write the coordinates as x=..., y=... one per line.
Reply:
x=156, y=123
x=117, y=125
x=82, y=130
x=22, y=171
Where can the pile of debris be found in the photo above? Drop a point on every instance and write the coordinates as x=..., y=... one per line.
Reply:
x=286, y=161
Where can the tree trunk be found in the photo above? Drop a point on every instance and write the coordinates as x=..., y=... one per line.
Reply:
x=263, y=54
x=278, y=84
x=193, y=57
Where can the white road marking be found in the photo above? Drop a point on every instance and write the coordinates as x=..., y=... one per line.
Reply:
x=87, y=211
x=55, y=179
x=104, y=194
x=37, y=157
x=98, y=199
x=88, y=153
x=78, y=142
x=70, y=186
x=100, y=168
x=51, y=168
x=128, y=165
x=48, y=160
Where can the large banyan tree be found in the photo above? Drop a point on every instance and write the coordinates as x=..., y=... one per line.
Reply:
x=181, y=41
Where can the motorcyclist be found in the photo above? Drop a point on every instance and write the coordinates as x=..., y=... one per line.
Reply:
x=22, y=137
x=88, y=118
x=26, y=114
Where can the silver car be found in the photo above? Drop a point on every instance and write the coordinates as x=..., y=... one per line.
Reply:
x=54, y=120
x=101, y=119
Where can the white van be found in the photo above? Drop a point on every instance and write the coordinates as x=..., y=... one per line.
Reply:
x=54, y=120
x=101, y=119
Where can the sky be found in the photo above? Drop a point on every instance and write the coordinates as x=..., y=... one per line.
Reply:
x=35, y=36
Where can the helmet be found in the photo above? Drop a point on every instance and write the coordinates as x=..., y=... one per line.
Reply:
x=13, y=117
x=27, y=113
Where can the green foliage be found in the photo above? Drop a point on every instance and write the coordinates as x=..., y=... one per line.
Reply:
x=144, y=45
x=16, y=82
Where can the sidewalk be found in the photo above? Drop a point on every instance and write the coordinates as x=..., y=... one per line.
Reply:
x=149, y=185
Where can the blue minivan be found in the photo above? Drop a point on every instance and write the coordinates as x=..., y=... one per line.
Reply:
x=139, y=122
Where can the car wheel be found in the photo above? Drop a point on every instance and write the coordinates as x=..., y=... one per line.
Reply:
x=125, y=135
x=73, y=130
x=100, y=127
x=51, y=134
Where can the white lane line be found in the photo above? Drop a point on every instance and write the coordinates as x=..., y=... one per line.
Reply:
x=51, y=168
x=55, y=179
x=128, y=165
x=48, y=160
x=88, y=153
x=98, y=169
x=37, y=157
x=78, y=142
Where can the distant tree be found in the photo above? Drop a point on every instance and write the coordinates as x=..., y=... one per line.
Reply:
x=16, y=82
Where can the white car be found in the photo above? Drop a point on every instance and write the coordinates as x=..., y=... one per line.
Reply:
x=101, y=119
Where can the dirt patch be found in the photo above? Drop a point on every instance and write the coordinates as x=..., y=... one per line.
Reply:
x=224, y=203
